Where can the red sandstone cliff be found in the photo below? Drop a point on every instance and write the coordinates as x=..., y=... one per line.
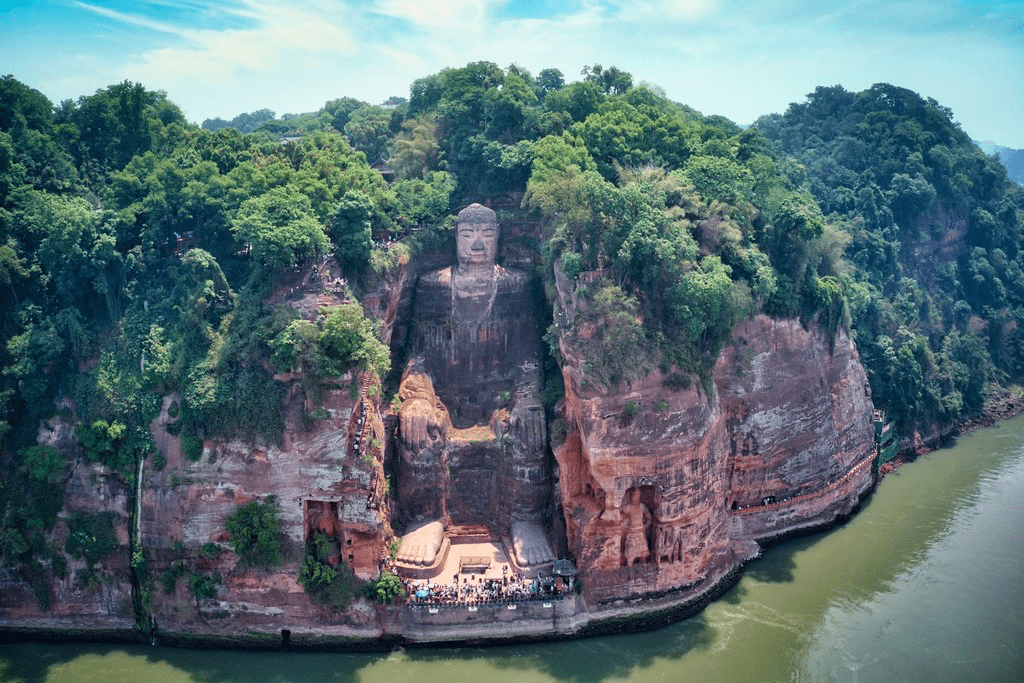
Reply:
x=106, y=601
x=666, y=488
x=326, y=474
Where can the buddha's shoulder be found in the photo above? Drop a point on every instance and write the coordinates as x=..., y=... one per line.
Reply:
x=437, y=278
x=512, y=278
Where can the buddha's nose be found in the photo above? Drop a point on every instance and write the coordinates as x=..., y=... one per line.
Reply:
x=478, y=244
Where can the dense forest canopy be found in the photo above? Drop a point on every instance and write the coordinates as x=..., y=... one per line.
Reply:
x=935, y=286
x=137, y=250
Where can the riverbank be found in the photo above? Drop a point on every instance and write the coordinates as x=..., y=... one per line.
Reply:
x=627, y=616
x=397, y=627
x=406, y=626
x=514, y=622
x=1000, y=405
x=791, y=617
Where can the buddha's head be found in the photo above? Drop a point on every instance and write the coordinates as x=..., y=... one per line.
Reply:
x=476, y=237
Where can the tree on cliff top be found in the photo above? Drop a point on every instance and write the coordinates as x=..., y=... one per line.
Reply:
x=280, y=228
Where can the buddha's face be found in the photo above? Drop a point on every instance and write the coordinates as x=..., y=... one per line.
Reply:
x=477, y=243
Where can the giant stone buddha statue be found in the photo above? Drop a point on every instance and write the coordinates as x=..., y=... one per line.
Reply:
x=471, y=440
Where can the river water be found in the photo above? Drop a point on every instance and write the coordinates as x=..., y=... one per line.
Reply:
x=926, y=583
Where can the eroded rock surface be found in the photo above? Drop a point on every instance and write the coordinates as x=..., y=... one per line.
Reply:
x=82, y=598
x=666, y=488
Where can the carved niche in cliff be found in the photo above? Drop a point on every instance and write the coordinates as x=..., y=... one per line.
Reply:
x=471, y=440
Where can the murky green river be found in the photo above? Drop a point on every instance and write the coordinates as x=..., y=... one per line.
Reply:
x=926, y=583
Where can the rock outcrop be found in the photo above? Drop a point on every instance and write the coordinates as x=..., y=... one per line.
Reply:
x=326, y=475
x=104, y=600
x=665, y=488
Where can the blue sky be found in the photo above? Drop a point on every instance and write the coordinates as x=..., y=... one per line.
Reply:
x=737, y=58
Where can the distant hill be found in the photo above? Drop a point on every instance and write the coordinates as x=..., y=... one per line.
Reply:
x=1013, y=159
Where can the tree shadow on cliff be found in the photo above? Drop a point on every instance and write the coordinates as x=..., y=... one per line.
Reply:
x=590, y=660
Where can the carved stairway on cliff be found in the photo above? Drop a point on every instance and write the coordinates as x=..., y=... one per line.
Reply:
x=361, y=442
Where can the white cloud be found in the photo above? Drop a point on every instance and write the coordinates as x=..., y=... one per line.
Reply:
x=130, y=19
x=442, y=14
x=282, y=40
x=665, y=11
x=740, y=59
x=689, y=10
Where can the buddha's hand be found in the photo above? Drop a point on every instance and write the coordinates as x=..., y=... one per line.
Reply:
x=419, y=427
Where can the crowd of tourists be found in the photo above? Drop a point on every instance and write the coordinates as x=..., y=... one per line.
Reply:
x=470, y=590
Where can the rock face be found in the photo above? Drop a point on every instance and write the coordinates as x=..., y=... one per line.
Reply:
x=105, y=602
x=326, y=475
x=800, y=420
x=666, y=488
x=661, y=489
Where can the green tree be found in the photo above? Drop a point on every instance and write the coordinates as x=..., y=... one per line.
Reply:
x=203, y=587
x=121, y=121
x=624, y=134
x=613, y=80
x=91, y=537
x=103, y=442
x=703, y=304
x=559, y=153
x=352, y=231
x=22, y=106
x=341, y=109
x=202, y=290
x=416, y=150
x=614, y=344
x=280, y=228
x=548, y=80
x=76, y=247
x=325, y=584
x=297, y=348
x=245, y=123
x=350, y=338
x=38, y=354
x=369, y=131
x=719, y=178
x=44, y=464
x=425, y=201
x=966, y=367
x=386, y=589
x=578, y=100
x=256, y=533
